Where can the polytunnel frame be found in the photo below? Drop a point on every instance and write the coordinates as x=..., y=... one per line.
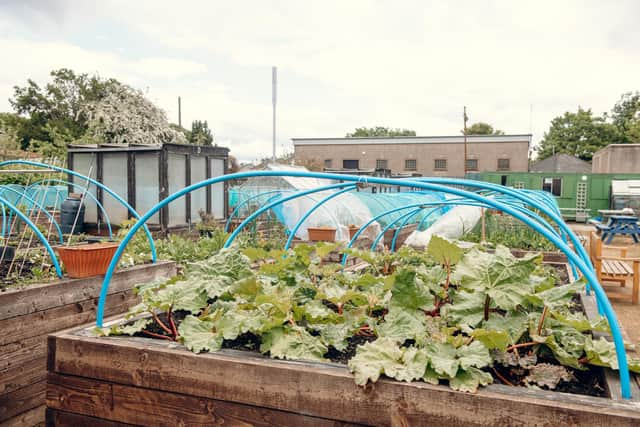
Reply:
x=36, y=231
x=245, y=202
x=277, y=202
x=307, y=214
x=88, y=193
x=584, y=268
x=436, y=205
x=113, y=194
x=37, y=205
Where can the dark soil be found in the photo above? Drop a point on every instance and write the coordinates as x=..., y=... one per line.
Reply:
x=589, y=382
x=344, y=356
x=246, y=342
x=13, y=277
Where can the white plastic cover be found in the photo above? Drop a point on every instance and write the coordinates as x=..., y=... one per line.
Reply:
x=452, y=225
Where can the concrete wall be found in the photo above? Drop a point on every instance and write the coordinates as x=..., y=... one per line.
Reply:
x=617, y=158
x=425, y=154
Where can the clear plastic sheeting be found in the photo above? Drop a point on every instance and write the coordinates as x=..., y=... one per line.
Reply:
x=378, y=203
x=452, y=225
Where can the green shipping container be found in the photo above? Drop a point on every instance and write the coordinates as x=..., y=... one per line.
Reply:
x=590, y=191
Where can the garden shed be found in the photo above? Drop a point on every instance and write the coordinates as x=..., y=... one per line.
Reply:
x=145, y=174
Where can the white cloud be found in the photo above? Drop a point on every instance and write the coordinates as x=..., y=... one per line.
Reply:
x=342, y=64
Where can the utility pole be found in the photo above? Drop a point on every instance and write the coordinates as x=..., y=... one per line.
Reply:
x=179, y=112
x=465, y=118
x=274, y=86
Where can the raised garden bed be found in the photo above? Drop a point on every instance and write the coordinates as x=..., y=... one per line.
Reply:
x=149, y=382
x=157, y=381
x=29, y=314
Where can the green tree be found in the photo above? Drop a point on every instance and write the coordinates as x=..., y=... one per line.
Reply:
x=200, y=133
x=57, y=108
x=579, y=134
x=482, y=128
x=380, y=131
x=625, y=115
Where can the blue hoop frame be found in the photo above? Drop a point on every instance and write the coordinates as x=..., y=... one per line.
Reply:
x=440, y=185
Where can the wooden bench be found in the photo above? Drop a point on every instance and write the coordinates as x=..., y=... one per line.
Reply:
x=615, y=268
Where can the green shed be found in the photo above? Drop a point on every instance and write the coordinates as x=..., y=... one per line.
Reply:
x=575, y=192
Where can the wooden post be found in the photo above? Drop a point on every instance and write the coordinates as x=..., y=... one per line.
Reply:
x=483, y=232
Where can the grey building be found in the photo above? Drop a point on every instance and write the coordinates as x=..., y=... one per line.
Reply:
x=617, y=158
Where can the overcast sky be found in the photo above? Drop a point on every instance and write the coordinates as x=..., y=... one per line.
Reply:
x=342, y=64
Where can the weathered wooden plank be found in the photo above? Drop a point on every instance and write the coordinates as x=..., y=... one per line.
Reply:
x=21, y=400
x=56, y=418
x=19, y=302
x=19, y=352
x=321, y=389
x=32, y=417
x=62, y=317
x=140, y=406
x=26, y=373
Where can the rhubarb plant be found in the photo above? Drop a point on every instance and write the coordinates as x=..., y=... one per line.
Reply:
x=443, y=315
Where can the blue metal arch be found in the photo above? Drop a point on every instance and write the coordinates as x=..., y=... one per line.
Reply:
x=88, y=193
x=584, y=268
x=524, y=197
x=277, y=202
x=97, y=184
x=40, y=208
x=35, y=230
x=244, y=202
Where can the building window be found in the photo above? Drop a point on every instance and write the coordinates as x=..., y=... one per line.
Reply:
x=503, y=165
x=472, y=164
x=351, y=164
x=410, y=165
x=381, y=164
x=440, y=164
x=328, y=163
x=553, y=186
x=518, y=185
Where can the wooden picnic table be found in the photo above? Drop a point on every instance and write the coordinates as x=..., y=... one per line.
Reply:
x=619, y=225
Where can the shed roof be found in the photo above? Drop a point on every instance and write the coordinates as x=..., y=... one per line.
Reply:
x=561, y=162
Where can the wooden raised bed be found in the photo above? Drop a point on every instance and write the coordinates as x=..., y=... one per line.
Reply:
x=138, y=381
x=116, y=381
x=28, y=315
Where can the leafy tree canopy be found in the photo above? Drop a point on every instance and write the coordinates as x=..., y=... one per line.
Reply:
x=200, y=133
x=626, y=116
x=482, y=128
x=579, y=134
x=56, y=109
x=380, y=131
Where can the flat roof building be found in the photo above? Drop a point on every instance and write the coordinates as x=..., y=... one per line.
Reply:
x=617, y=158
x=422, y=155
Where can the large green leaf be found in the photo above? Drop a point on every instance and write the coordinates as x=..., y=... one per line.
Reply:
x=443, y=251
x=442, y=357
x=467, y=308
x=475, y=354
x=375, y=358
x=293, y=343
x=197, y=335
x=409, y=293
x=470, y=379
x=501, y=275
x=400, y=324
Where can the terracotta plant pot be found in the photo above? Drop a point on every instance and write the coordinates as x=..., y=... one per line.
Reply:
x=353, y=229
x=87, y=260
x=322, y=234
